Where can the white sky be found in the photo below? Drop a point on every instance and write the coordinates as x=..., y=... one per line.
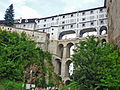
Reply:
x=43, y=8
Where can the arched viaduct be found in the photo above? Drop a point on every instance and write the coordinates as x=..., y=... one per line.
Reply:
x=61, y=50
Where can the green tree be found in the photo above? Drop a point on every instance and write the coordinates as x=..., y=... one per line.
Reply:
x=9, y=16
x=111, y=72
x=95, y=63
x=18, y=53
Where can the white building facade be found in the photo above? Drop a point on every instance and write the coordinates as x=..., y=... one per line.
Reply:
x=78, y=23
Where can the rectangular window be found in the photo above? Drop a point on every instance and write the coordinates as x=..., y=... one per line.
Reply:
x=63, y=16
x=71, y=15
x=91, y=12
x=63, y=22
x=83, y=19
x=101, y=10
x=71, y=26
x=101, y=22
x=44, y=25
x=92, y=23
x=83, y=13
x=53, y=18
x=62, y=27
x=83, y=25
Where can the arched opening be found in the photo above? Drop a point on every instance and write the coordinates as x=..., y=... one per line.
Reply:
x=103, y=41
x=69, y=50
x=58, y=66
x=67, y=82
x=67, y=35
x=67, y=68
x=103, y=30
x=88, y=32
x=71, y=68
x=60, y=50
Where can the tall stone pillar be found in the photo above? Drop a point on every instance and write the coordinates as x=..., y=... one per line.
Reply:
x=63, y=66
x=63, y=69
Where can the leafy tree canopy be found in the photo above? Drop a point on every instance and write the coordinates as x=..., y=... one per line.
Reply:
x=96, y=65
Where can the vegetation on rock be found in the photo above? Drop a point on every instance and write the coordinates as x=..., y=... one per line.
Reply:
x=19, y=55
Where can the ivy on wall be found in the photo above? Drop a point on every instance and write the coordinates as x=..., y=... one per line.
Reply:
x=18, y=54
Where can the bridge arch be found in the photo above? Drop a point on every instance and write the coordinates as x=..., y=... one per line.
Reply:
x=60, y=49
x=67, y=82
x=67, y=68
x=65, y=33
x=58, y=66
x=89, y=31
x=103, y=41
x=103, y=30
x=69, y=48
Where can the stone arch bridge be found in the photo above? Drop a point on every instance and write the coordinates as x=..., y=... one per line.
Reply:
x=62, y=55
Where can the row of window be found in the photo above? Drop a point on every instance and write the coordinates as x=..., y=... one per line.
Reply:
x=73, y=20
x=92, y=23
x=83, y=19
x=7, y=28
x=25, y=25
x=83, y=13
x=71, y=26
x=84, y=24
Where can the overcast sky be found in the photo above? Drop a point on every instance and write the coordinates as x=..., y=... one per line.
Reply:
x=43, y=8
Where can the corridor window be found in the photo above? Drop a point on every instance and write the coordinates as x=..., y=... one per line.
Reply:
x=91, y=12
x=44, y=25
x=83, y=19
x=92, y=23
x=71, y=15
x=83, y=13
x=83, y=25
x=63, y=22
x=62, y=27
x=53, y=18
x=101, y=22
x=101, y=10
x=71, y=26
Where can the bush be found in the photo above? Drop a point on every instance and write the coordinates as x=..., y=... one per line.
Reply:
x=11, y=85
